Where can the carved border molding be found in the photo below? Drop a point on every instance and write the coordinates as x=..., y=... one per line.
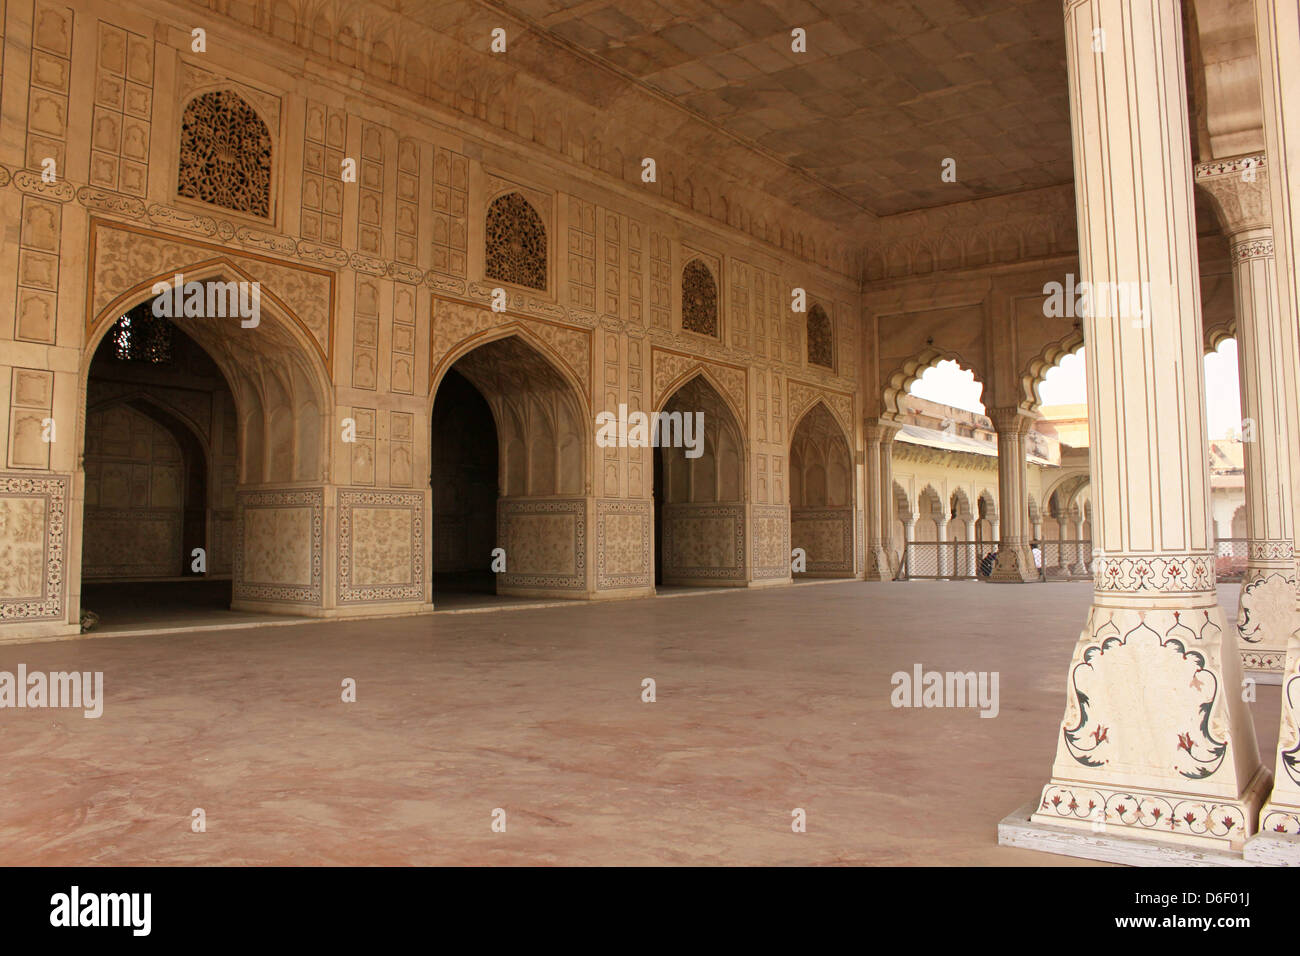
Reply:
x=236, y=238
x=673, y=513
x=310, y=498
x=48, y=605
x=777, y=513
x=577, y=507
x=349, y=503
x=1145, y=811
x=840, y=516
x=643, y=578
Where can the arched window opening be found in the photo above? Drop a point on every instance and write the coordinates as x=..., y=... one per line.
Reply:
x=516, y=243
x=225, y=155
x=699, y=299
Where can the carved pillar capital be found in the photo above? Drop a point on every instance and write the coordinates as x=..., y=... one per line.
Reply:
x=1011, y=419
x=1240, y=192
x=876, y=430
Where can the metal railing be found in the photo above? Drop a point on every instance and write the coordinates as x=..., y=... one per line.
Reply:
x=1060, y=560
x=1065, y=560
x=947, y=560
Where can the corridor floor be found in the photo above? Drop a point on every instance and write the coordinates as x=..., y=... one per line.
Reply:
x=766, y=701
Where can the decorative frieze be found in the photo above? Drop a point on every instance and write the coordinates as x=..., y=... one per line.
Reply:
x=1138, y=574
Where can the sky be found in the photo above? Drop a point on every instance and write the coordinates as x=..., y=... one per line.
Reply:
x=1066, y=384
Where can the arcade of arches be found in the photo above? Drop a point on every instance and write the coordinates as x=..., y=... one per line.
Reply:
x=437, y=331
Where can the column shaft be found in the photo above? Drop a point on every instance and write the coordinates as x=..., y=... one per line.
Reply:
x=1277, y=39
x=1014, y=562
x=1266, y=344
x=1156, y=741
x=880, y=500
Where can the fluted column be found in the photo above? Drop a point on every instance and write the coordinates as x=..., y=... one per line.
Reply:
x=880, y=499
x=1277, y=39
x=1266, y=613
x=1156, y=741
x=1014, y=564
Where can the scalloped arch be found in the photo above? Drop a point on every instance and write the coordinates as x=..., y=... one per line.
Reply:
x=1034, y=373
x=902, y=378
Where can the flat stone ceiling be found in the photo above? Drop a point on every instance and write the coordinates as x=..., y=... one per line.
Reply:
x=887, y=90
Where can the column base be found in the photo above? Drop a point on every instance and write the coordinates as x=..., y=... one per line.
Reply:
x=1022, y=831
x=1266, y=618
x=1279, y=819
x=1015, y=565
x=1162, y=816
x=1156, y=741
x=1273, y=849
x=878, y=567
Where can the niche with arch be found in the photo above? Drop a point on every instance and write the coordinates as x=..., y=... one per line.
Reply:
x=821, y=494
x=699, y=501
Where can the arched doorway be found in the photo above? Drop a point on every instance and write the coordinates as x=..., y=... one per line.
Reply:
x=160, y=462
x=821, y=494
x=508, y=467
x=464, y=466
x=204, y=445
x=699, y=491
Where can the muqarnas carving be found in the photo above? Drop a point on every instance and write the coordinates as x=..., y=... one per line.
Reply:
x=821, y=349
x=699, y=299
x=225, y=155
x=516, y=242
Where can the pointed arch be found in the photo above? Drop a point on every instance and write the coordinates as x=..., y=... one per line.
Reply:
x=534, y=395
x=275, y=368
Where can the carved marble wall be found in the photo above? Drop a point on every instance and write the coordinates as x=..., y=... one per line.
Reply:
x=135, y=491
x=279, y=547
x=373, y=284
x=187, y=406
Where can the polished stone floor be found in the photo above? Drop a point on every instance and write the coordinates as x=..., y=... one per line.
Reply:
x=767, y=701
